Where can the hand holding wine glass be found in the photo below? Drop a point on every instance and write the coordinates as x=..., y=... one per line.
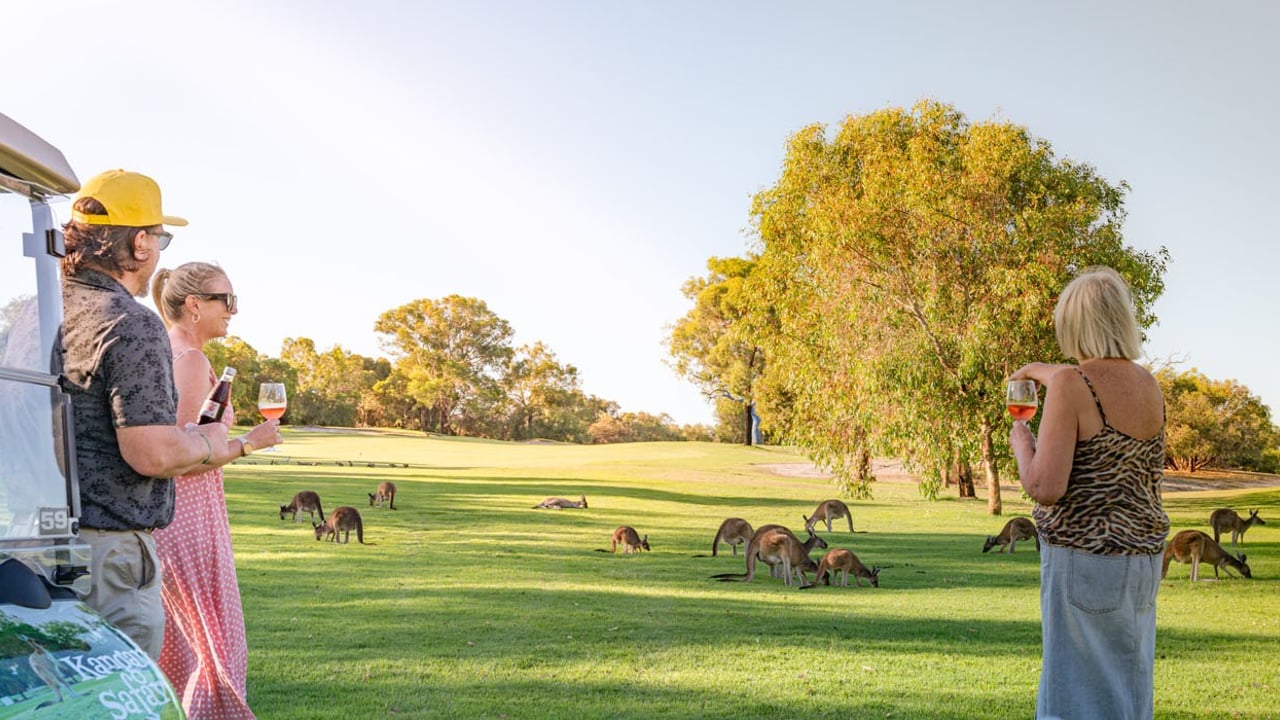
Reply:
x=1021, y=399
x=272, y=402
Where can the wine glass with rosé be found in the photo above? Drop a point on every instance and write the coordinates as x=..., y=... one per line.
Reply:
x=1022, y=399
x=272, y=402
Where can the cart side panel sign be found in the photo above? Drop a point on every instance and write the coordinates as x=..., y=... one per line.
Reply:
x=67, y=663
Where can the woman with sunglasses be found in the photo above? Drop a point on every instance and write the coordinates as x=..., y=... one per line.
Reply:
x=205, y=654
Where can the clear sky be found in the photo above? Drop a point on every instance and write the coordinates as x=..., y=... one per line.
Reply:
x=572, y=163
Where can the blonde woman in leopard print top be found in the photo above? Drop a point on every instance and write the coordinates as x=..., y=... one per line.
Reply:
x=1095, y=471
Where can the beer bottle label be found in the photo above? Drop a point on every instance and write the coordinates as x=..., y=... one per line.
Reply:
x=210, y=410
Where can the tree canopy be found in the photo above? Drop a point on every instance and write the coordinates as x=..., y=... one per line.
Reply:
x=907, y=264
x=454, y=372
x=710, y=347
x=1215, y=423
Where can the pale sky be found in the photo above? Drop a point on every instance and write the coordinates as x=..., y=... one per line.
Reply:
x=572, y=163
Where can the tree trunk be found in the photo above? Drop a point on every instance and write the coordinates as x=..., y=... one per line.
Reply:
x=994, y=505
x=964, y=479
x=746, y=420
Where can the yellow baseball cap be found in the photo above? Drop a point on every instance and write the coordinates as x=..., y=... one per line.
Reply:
x=131, y=199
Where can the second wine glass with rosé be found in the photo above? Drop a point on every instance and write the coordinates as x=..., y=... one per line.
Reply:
x=1021, y=399
x=272, y=402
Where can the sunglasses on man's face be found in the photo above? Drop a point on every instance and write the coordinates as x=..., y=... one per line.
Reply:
x=227, y=298
x=165, y=238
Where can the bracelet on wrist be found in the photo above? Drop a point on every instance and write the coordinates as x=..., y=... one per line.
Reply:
x=208, y=446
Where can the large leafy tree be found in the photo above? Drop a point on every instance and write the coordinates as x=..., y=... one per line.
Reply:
x=908, y=263
x=545, y=396
x=452, y=352
x=330, y=384
x=709, y=348
x=1215, y=423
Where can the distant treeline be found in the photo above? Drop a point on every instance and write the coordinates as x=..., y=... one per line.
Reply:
x=452, y=371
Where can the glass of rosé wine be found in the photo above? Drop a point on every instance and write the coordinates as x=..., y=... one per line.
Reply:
x=1021, y=399
x=271, y=402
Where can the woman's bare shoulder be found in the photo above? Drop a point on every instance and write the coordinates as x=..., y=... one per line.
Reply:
x=191, y=366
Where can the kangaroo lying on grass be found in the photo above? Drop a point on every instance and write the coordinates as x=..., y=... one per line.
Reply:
x=304, y=502
x=629, y=539
x=1195, y=547
x=1019, y=528
x=780, y=549
x=559, y=503
x=386, y=493
x=844, y=562
x=827, y=511
x=1226, y=520
x=734, y=532
x=343, y=520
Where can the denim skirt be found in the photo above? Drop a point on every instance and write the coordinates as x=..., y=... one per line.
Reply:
x=1098, y=621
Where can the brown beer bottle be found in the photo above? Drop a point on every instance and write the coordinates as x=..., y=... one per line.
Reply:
x=218, y=399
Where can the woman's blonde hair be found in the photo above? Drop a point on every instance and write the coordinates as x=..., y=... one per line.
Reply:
x=170, y=288
x=1095, y=318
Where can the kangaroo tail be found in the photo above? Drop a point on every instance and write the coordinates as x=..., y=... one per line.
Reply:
x=810, y=586
x=729, y=577
x=601, y=550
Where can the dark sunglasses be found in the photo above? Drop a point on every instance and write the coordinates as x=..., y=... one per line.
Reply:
x=227, y=298
x=165, y=238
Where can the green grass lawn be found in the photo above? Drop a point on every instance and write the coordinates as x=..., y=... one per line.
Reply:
x=470, y=604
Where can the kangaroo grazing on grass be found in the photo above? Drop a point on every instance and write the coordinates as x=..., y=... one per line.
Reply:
x=827, y=511
x=810, y=543
x=343, y=520
x=844, y=562
x=781, y=549
x=629, y=539
x=1195, y=547
x=1226, y=520
x=734, y=532
x=1019, y=528
x=558, y=503
x=386, y=493
x=304, y=502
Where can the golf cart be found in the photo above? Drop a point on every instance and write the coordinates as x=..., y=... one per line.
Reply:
x=58, y=658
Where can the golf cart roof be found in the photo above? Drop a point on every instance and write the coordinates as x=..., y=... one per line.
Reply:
x=31, y=166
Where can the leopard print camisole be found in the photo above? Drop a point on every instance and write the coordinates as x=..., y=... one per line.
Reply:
x=1112, y=505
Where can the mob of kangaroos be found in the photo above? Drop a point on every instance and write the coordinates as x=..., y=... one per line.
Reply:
x=778, y=547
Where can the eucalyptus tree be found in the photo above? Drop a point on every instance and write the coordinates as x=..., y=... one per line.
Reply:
x=451, y=352
x=908, y=263
x=330, y=384
x=708, y=345
x=545, y=396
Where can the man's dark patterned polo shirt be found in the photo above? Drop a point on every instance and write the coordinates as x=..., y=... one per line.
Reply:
x=118, y=369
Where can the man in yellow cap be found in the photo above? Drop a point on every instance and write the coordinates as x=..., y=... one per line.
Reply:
x=117, y=367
